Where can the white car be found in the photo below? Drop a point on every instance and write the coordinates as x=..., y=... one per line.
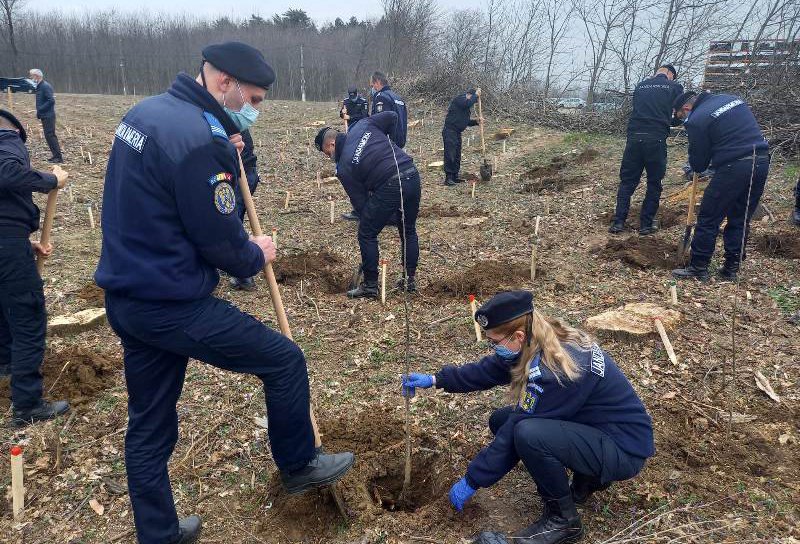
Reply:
x=571, y=103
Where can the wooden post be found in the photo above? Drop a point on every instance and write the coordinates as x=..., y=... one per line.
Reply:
x=89, y=154
x=473, y=309
x=49, y=215
x=474, y=183
x=533, y=261
x=383, y=281
x=275, y=236
x=665, y=340
x=504, y=147
x=319, y=180
x=286, y=202
x=69, y=192
x=91, y=216
x=536, y=228
x=83, y=155
x=673, y=291
x=17, y=483
x=333, y=208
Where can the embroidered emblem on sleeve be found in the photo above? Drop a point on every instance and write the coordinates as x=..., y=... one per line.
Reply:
x=224, y=198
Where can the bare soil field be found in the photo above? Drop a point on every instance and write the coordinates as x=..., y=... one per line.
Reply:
x=726, y=468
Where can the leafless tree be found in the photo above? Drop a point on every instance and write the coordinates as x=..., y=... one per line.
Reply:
x=10, y=10
x=557, y=18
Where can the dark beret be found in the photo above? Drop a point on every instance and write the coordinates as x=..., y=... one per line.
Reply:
x=14, y=121
x=672, y=69
x=352, y=89
x=242, y=61
x=683, y=99
x=504, y=307
x=320, y=137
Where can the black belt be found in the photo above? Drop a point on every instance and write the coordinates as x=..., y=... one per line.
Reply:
x=405, y=174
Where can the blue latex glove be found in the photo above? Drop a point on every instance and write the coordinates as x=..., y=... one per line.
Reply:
x=460, y=493
x=414, y=380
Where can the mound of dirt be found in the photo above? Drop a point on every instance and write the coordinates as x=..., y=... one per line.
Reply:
x=484, y=278
x=373, y=486
x=559, y=162
x=322, y=268
x=92, y=294
x=75, y=374
x=784, y=245
x=439, y=210
x=642, y=252
x=586, y=156
x=666, y=217
x=553, y=183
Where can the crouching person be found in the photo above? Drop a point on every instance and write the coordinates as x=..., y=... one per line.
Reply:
x=573, y=409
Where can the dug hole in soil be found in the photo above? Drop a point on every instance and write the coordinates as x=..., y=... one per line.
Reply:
x=642, y=252
x=320, y=268
x=483, y=279
x=74, y=374
x=783, y=245
x=373, y=486
x=666, y=217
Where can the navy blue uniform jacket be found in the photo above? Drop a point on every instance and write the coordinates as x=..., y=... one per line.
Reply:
x=168, y=202
x=355, y=108
x=652, y=108
x=45, y=100
x=457, y=116
x=602, y=398
x=365, y=161
x=721, y=128
x=387, y=100
x=19, y=216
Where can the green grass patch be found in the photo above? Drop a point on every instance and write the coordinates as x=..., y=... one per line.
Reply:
x=787, y=301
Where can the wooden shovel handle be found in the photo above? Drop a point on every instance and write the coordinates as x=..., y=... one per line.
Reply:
x=47, y=227
x=480, y=122
x=269, y=274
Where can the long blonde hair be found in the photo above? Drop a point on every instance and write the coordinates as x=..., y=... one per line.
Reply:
x=547, y=334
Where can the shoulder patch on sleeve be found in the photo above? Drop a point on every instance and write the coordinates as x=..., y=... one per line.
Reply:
x=224, y=198
x=216, y=127
x=134, y=138
x=598, y=361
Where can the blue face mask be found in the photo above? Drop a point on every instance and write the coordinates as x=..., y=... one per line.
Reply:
x=372, y=91
x=505, y=353
x=245, y=117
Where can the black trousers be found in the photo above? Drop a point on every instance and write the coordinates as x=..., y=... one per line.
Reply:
x=158, y=338
x=23, y=321
x=641, y=155
x=49, y=129
x=548, y=446
x=382, y=206
x=452, y=151
x=797, y=194
x=726, y=196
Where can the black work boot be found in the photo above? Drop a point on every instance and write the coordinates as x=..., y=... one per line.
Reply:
x=458, y=179
x=449, y=180
x=796, y=216
x=323, y=470
x=367, y=289
x=729, y=269
x=412, y=284
x=616, y=227
x=43, y=411
x=583, y=486
x=691, y=271
x=190, y=530
x=243, y=284
x=351, y=216
x=560, y=524
x=647, y=230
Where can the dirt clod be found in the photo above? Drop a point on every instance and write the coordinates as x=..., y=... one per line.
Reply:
x=484, y=278
x=322, y=268
x=781, y=245
x=92, y=294
x=79, y=376
x=642, y=252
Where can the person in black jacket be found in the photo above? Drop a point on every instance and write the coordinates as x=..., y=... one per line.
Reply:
x=46, y=111
x=23, y=317
x=573, y=408
x=250, y=161
x=646, y=147
x=456, y=121
x=723, y=133
x=354, y=107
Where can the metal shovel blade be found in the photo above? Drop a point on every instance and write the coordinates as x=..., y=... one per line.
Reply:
x=486, y=171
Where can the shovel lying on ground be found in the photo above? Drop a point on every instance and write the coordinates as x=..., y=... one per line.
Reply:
x=691, y=219
x=486, y=168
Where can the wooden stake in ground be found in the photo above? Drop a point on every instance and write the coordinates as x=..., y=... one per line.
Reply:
x=536, y=227
x=319, y=180
x=665, y=340
x=286, y=202
x=533, y=261
x=473, y=308
x=673, y=292
x=17, y=483
x=47, y=227
x=89, y=156
x=333, y=208
x=91, y=216
x=383, y=281
x=474, y=184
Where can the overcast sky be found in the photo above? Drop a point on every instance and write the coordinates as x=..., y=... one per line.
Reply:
x=321, y=11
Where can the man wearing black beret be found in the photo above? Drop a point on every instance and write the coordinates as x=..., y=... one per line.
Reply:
x=169, y=223
x=646, y=147
x=23, y=317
